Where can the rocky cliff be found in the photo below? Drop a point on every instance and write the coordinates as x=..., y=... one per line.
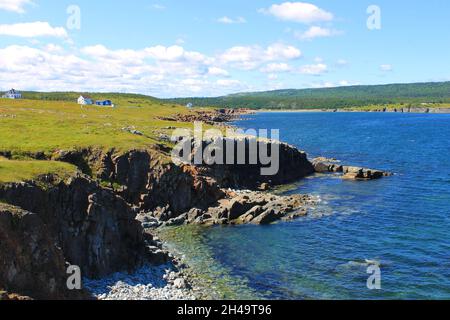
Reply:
x=31, y=262
x=89, y=220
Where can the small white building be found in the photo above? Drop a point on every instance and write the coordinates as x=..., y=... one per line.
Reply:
x=190, y=105
x=12, y=94
x=85, y=100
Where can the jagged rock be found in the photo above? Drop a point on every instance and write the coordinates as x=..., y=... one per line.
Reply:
x=267, y=217
x=95, y=228
x=178, y=221
x=293, y=165
x=31, y=262
x=194, y=213
x=357, y=173
x=324, y=165
x=253, y=207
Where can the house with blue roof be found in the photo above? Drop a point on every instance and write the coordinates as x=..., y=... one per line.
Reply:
x=104, y=103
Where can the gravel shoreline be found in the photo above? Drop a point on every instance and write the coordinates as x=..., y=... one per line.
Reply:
x=148, y=283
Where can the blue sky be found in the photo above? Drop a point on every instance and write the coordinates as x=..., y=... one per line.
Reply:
x=170, y=48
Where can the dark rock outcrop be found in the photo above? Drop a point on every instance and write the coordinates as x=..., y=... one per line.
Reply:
x=95, y=229
x=31, y=262
x=245, y=170
x=239, y=207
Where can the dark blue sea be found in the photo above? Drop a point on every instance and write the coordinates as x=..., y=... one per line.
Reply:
x=402, y=223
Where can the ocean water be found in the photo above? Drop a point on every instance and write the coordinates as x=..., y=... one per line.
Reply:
x=401, y=222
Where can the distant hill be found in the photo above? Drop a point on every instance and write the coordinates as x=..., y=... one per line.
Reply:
x=331, y=98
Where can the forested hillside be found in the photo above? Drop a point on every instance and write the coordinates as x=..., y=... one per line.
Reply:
x=330, y=98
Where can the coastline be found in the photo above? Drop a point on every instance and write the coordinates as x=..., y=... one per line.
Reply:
x=199, y=282
x=158, y=282
x=148, y=193
x=412, y=110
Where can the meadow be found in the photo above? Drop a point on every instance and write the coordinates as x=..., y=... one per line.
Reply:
x=41, y=127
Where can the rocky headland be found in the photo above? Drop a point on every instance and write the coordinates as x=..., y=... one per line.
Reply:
x=102, y=219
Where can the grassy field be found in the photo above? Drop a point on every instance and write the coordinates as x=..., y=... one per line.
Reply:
x=28, y=127
x=13, y=170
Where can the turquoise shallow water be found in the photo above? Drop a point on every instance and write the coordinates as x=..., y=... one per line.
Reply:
x=403, y=222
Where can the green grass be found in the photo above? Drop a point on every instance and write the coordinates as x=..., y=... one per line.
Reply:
x=14, y=170
x=29, y=127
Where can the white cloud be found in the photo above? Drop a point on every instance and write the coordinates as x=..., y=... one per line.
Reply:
x=316, y=32
x=32, y=30
x=160, y=71
x=227, y=20
x=166, y=53
x=53, y=48
x=300, y=12
x=164, y=71
x=14, y=5
x=314, y=69
x=251, y=57
x=276, y=68
x=386, y=67
x=279, y=51
x=228, y=82
x=215, y=71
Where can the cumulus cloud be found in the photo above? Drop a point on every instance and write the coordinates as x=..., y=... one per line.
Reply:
x=215, y=71
x=164, y=71
x=14, y=5
x=32, y=30
x=317, y=32
x=300, y=12
x=160, y=71
x=228, y=83
x=227, y=20
x=314, y=69
x=276, y=68
x=251, y=57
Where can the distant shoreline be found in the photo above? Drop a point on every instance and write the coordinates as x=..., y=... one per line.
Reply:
x=412, y=110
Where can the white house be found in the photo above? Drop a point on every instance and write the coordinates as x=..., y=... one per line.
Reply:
x=85, y=100
x=190, y=105
x=12, y=94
